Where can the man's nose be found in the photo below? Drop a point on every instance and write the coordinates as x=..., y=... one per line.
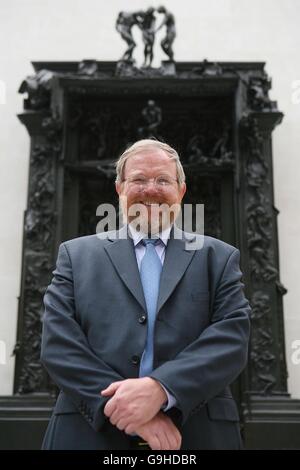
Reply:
x=151, y=187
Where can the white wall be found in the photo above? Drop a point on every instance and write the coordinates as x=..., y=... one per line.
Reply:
x=221, y=30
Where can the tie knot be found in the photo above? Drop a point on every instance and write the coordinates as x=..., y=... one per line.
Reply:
x=150, y=241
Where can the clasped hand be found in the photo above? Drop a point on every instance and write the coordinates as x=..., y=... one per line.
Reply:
x=134, y=407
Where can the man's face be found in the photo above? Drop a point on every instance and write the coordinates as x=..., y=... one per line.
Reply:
x=153, y=201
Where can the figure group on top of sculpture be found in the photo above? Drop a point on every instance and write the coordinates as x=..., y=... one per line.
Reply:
x=146, y=21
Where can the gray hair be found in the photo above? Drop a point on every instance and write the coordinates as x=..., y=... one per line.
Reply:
x=144, y=145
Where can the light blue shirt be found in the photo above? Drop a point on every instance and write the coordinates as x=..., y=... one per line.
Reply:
x=160, y=248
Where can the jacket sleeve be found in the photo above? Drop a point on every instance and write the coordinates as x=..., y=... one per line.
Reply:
x=65, y=351
x=213, y=361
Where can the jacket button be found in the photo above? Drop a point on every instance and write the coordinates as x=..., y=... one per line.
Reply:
x=135, y=360
x=143, y=319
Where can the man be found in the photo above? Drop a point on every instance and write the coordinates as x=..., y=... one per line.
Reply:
x=144, y=336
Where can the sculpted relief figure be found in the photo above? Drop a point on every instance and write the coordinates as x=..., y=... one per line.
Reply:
x=124, y=24
x=169, y=22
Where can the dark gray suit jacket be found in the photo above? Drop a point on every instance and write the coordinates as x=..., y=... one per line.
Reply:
x=94, y=333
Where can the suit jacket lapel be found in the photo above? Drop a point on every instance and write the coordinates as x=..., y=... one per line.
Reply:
x=177, y=259
x=122, y=255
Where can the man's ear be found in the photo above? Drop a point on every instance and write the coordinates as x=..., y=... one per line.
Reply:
x=118, y=186
x=183, y=190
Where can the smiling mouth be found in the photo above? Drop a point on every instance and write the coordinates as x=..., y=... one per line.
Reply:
x=149, y=203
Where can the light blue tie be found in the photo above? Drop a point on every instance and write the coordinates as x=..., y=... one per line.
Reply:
x=150, y=272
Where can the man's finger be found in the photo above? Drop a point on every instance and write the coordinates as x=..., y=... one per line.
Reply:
x=130, y=428
x=111, y=389
x=115, y=417
x=121, y=424
x=109, y=408
x=163, y=439
x=174, y=438
x=169, y=441
x=173, y=441
x=154, y=443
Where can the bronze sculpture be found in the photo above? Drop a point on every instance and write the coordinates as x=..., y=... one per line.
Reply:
x=152, y=117
x=146, y=20
x=169, y=22
x=124, y=24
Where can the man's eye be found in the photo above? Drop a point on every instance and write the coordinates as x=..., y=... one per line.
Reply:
x=163, y=181
x=139, y=180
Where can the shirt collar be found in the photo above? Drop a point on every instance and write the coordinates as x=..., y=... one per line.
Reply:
x=138, y=236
